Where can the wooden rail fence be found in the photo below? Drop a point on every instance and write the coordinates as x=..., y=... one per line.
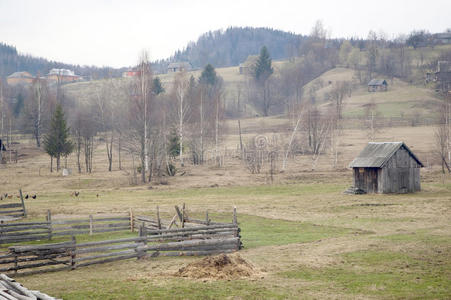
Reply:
x=32, y=231
x=199, y=239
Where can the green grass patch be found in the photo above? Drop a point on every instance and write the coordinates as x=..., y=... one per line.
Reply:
x=383, y=274
x=171, y=289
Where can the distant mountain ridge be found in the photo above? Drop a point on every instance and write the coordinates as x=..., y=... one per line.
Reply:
x=221, y=48
x=12, y=61
x=230, y=47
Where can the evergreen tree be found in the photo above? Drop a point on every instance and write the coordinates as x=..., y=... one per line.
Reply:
x=174, y=143
x=56, y=142
x=208, y=76
x=157, y=87
x=263, y=68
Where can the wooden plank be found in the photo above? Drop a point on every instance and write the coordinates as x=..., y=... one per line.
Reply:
x=11, y=211
x=22, y=233
x=38, y=265
x=41, y=247
x=106, y=248
x=108, y=260
x=179, y=214
x=192, y=228
x=22, y=224
x=112, y=254
x=187, y=244
x=23, y=203
x=22, y=228
x=193, y=253
x=10, y=205
x=124, y=240
x=60, y=222
x=111, y=219
x=7, y=240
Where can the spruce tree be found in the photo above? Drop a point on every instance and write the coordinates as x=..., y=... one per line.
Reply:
x=57, y=142
x=157, y=87
x=208, y=75
x=263, y=68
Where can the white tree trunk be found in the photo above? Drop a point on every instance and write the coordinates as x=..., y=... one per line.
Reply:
x=284, y=163
x=181, y=98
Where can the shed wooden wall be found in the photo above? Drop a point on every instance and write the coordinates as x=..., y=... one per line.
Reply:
x=401, y=174
x=366, y=179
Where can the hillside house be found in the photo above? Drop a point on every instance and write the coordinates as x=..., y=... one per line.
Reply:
x=443, y=38
x=62, y=75
x=386, y=168
x=377, y=85
x=19, y=78
x=130, y=73
x=179, y=67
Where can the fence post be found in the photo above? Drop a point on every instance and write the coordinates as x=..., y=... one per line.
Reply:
x=23, y=203
x=132, y=224
x=235, y=221
x=183, y=215
x=49, y=221
x=15, y=264
x=72, y=254
x=206, y=218
x=90, y=224
x=158, y=217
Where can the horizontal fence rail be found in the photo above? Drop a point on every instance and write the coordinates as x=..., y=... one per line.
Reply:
x=34, y=231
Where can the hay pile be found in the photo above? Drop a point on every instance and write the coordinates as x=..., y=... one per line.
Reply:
x=218, y=267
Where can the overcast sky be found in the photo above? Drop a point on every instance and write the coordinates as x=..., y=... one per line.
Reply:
x=113, y=33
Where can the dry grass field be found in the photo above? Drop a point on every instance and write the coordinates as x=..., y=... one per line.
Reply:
x=305, y=238
x=303, y=235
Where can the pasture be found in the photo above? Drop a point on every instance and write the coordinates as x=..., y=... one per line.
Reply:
x=303, y=235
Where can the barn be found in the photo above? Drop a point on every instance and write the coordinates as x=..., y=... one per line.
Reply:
x=386, y=168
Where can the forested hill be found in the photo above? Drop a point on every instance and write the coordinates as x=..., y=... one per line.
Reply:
x=232, y=46
x=11, y=61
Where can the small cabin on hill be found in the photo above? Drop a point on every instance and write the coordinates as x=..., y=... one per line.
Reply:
x=377, y=85
x=19, y=78
x=179, y=67
x=386, y=168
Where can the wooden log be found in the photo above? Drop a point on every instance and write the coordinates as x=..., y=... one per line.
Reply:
x=73, y=255
x=4, y=212
x=187, y=244
x=61, y=222
x=33, y=258
x=183, y=215
x=7, y=240
x=124, y=240
x=112, y=254
x=122, y=257
x=10, y=205
x=49, y=220
x=16, y=286
x=37, y=265
x=191, y=237
x=53, y=269
x=22, y=224
x=132, y=226
x=96, y=220
x=158, y=218
x=192, y=228
x=106, y=248
x=23, y=228
x=193, y=253
x=205, y=233
x=179, y=214
x=22, y=233
x=90, y=224
x=64, y=245
x=23, y=203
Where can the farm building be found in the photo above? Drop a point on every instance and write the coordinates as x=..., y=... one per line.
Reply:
x=62, y=75
x=17, y=78
x=386, y=168
x=377, y=85
x=179, y=67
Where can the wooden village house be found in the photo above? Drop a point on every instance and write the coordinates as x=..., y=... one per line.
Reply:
x=386, y=168
x=377, y=85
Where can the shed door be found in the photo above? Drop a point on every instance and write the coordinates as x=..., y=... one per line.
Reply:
x=403, y=180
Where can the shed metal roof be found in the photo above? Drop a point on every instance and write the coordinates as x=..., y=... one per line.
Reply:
x=22, y=74
x=377, y=82
x=375, y=155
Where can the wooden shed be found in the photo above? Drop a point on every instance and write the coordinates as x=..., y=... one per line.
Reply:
x=387, y=168
x=377, y=85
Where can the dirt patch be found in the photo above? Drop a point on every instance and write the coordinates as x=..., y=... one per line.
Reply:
x=218, y=267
